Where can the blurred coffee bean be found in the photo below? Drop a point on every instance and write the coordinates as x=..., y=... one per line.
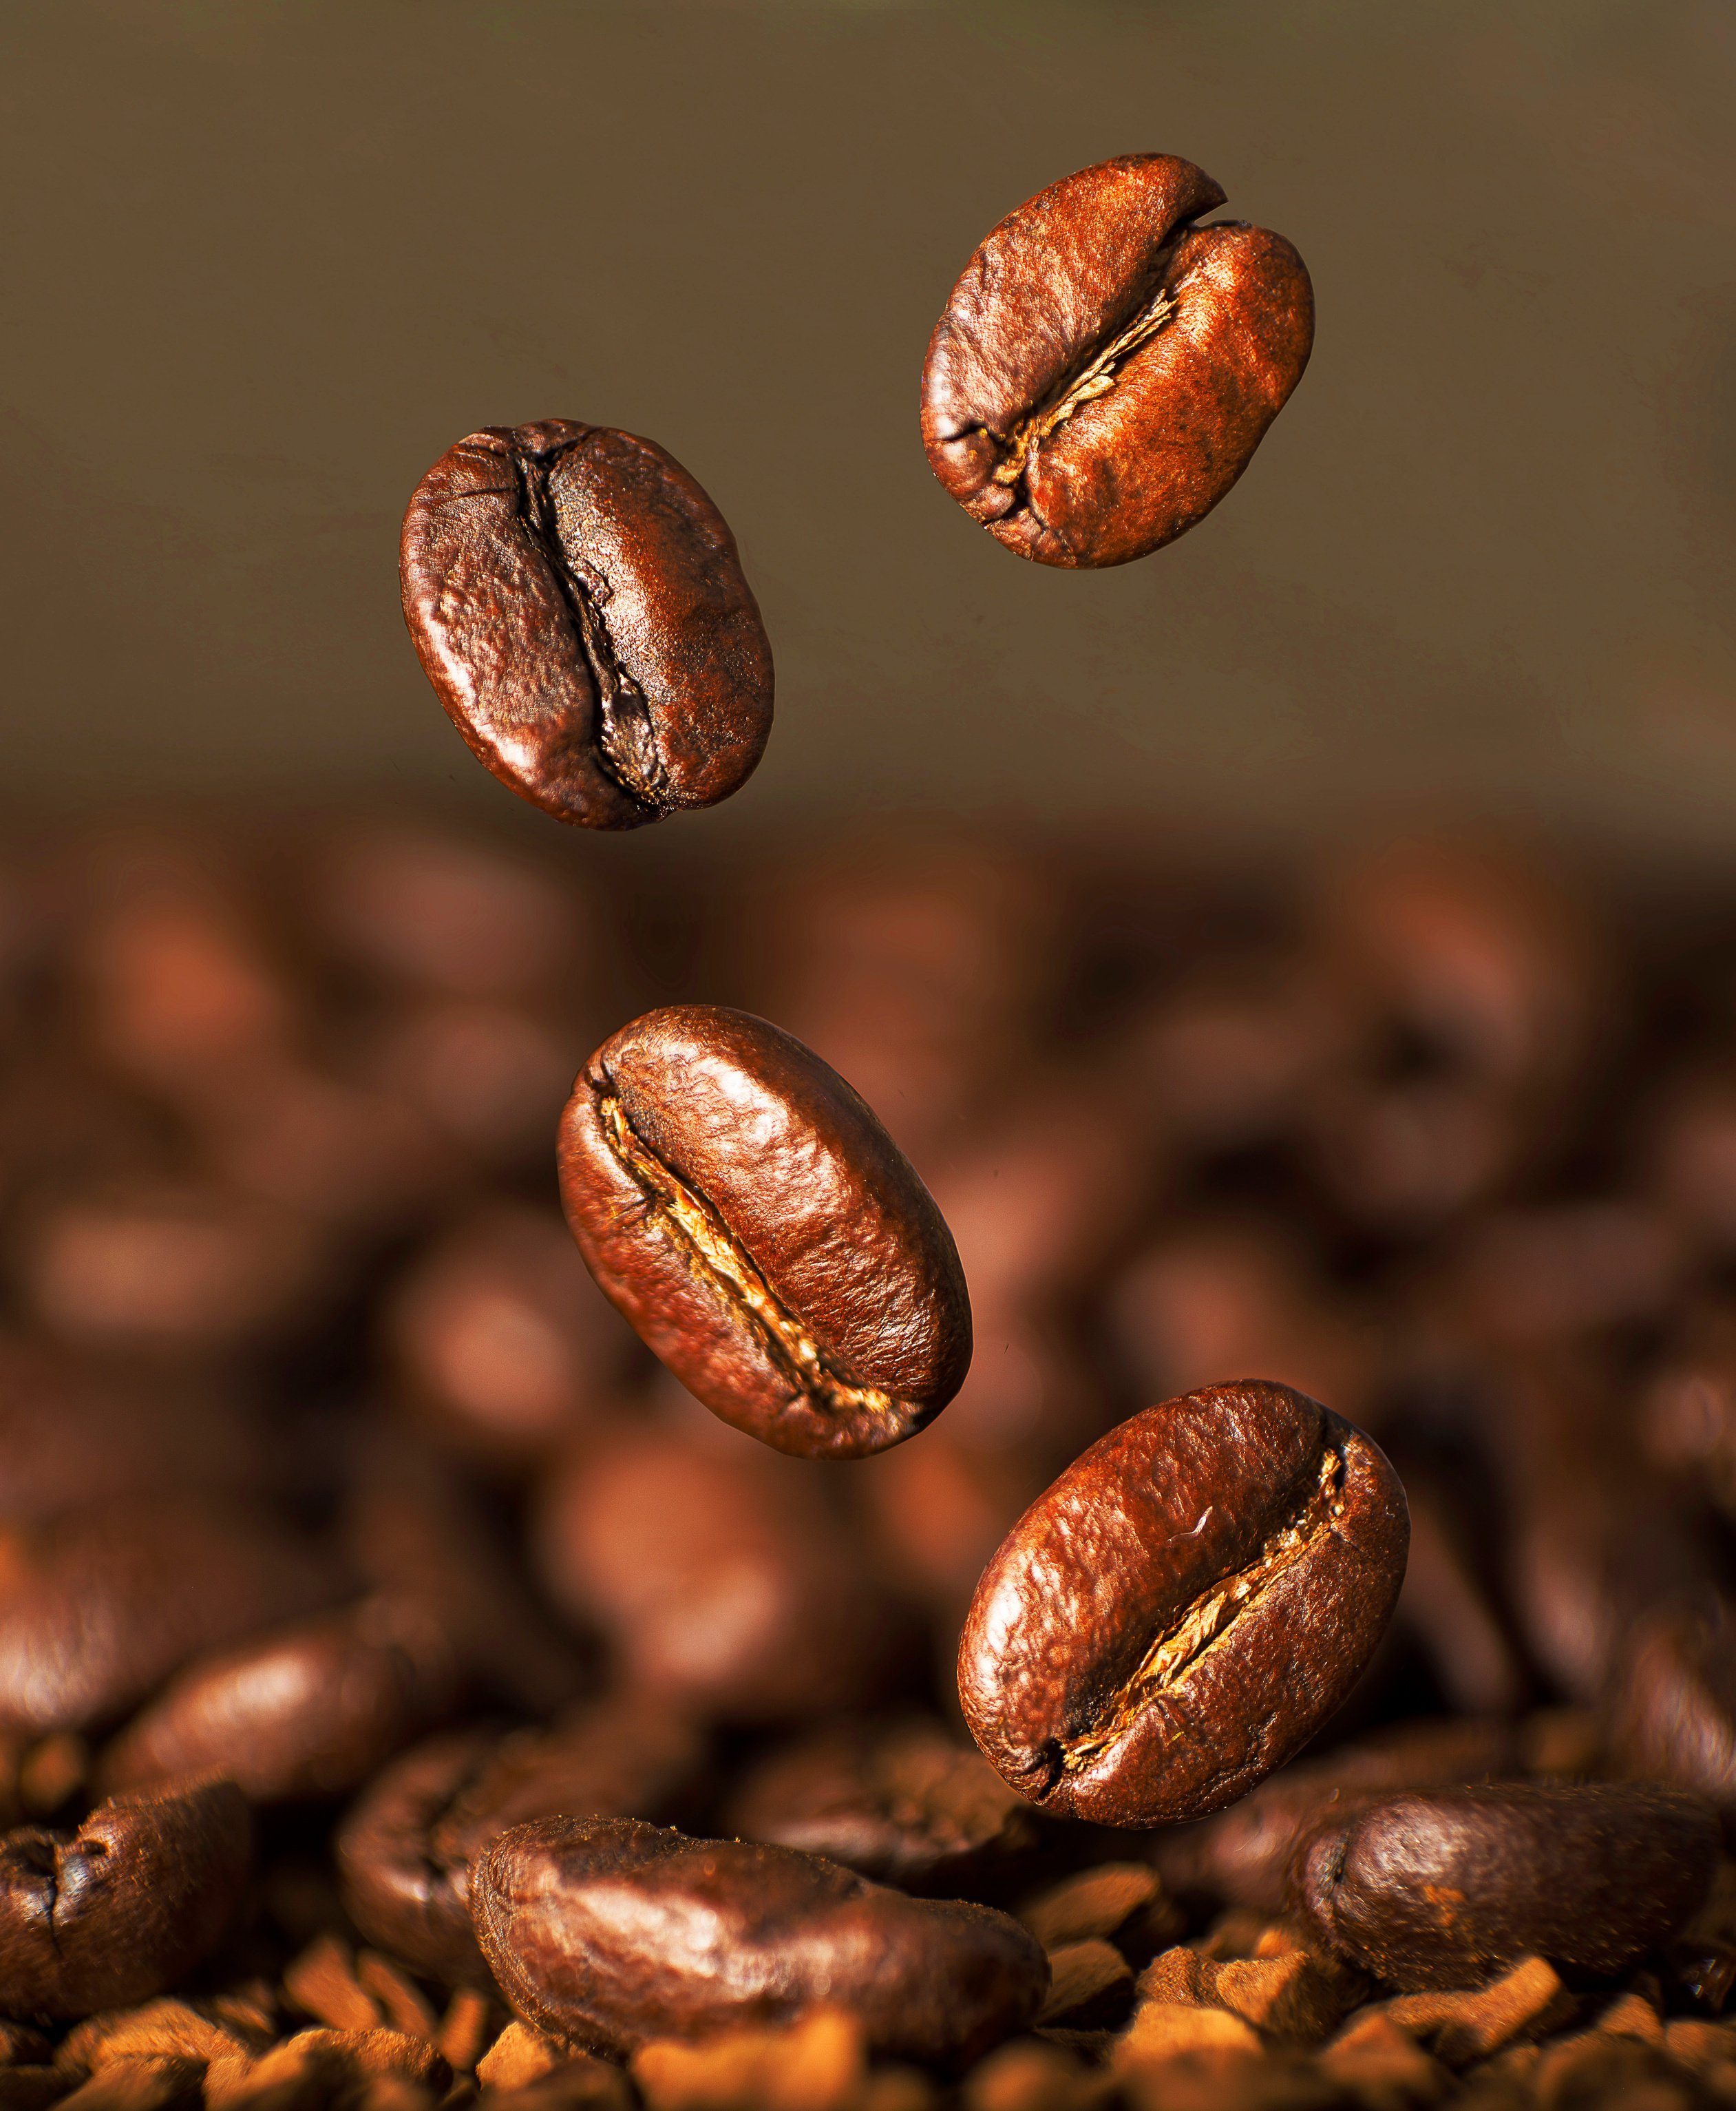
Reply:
x=1520, y=1277
x=310, y=1710
x=117, y=1911
x=1687, y=1412
x=906, y=1805
x=498, y=1335
x=488, y=1079
x=577, y=603
x=434, y=911
x=1672, y=1707
x=1448, y=1609
x=1104, y=368
x=1688, y=1142
x=1443, y=1890
x=571, y=1913
x=98, y=1610
x=1241, y=1296
x=412, y=1531
x=720, y=1576
x=1185, y=1607
x=74, y=1433
x=405, y=1849
x=177, y=1269
x=1244, y=1856
x=747, y=1211
x=937, y=1511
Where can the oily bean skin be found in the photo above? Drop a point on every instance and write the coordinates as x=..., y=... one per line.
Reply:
x=118, y=1910
x=1185, y=1607
x=405, y=1849
x=578, y=602
x=1104, y=369
x=745, y=1210
x=610, y=1933
x=1442, y=1891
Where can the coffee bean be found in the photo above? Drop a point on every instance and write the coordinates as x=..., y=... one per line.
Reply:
x=611, y=1933
x=404, y=1851
x=119, y=1909
x=908, y=1807
x=747, y=1211
x=724, y=1579
x=578, y=602
x=1443, y=1889
x=1104, y=369
x=1672, y=1706
x=1185, y=1607
x=310, y=1710
x=104, y=1606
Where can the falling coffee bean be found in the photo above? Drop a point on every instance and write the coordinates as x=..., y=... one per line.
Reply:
x=119, y=1909
x=1185, y=1607
x=608, y=1933
x=1442, y=1891
x=578, y=602
x=749, y=1214
x=1104, y=368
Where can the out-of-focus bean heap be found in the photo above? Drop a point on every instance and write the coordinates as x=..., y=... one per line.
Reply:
x=326, y=1473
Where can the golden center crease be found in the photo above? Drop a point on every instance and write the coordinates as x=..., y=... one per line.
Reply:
x=712, y=1252
x=1178, y=1650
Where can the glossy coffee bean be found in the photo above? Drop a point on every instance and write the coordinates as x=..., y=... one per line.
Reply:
x=910, y=1807
x=1443, y=1890
x=309, y=1710
x=118, y=1910
x=104, y=1606
x=1104, y=368
x=578, y=602
x=610, y=1933
x=404, y=1851
x=744, y=1208
x=1185, y=1607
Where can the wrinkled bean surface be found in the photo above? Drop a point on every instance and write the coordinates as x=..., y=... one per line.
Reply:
x=1441, y=1891
x=610, y=1933
x=578, y=602
x=1185, y=1607
x=1104, y=368
x=749, y=1214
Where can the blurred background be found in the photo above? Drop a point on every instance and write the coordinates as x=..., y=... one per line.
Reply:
x=1310, y=953
x=265, y=262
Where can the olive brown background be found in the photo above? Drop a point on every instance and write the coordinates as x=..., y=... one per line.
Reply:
x=264, y=261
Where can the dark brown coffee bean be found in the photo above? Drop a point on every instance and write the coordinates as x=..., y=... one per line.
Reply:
x=310, y=1710
x=102, y=1608
x=723, y=1579
x=910, y=1807
x=1672, y=1707
x=405, y=1850
x=1244, y=1855
x=1443, y=1890
x=119, y=1909
x=1104, y=370
x=610, y=1933
x=1185, y=1607
x=766, y=1237
x=577, y=603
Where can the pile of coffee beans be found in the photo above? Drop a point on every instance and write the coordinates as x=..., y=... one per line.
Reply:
x=410, y=1692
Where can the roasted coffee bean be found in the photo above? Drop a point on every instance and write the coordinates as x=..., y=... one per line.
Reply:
x=103, y=1607
x=1185, y=1607
x=1672, y=1707
x=747, y=1211
x=310, y=1710
x=722, y=1578
x=405, y=1850
x=119, y=1909
x=908, y=1807
x=1443, y=1890
x=578, y=1920
x=1244, y=1856
x=1104, y=370
x=577, y=603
